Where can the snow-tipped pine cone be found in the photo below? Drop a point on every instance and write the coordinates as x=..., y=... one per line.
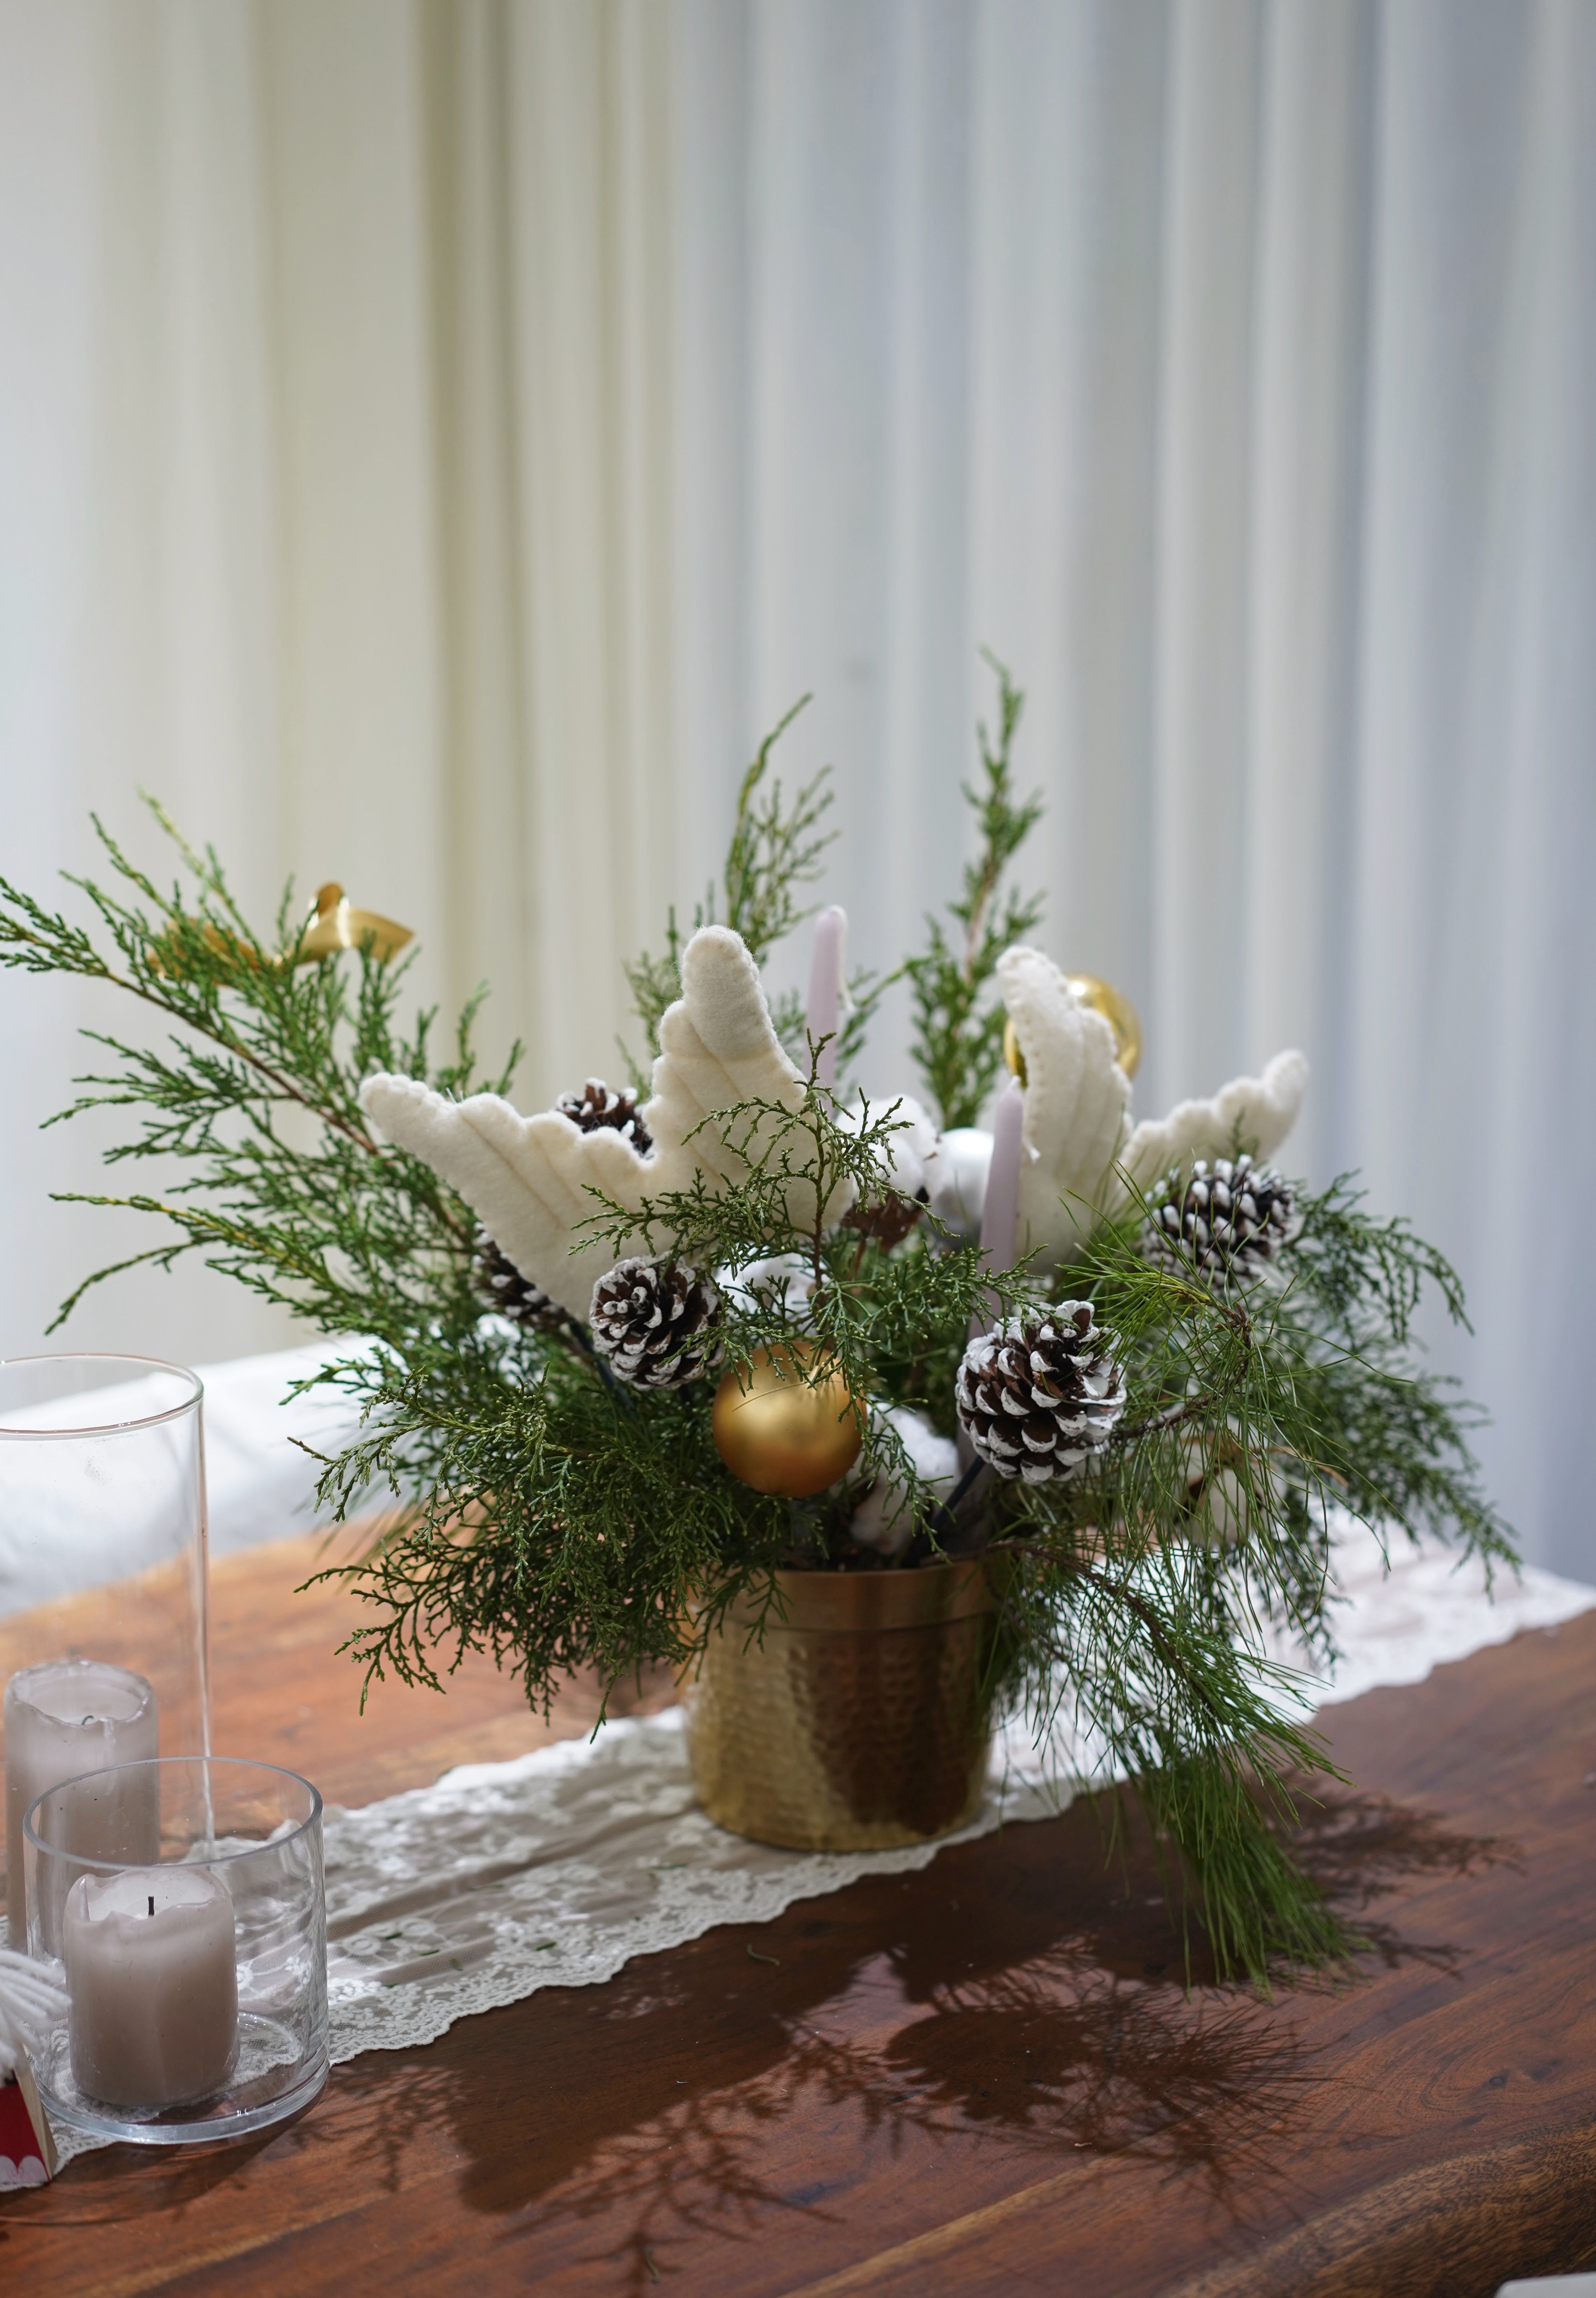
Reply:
x=1226, y=1220
x=600, y=1105
x=513, y=1295
x=657, y=1322
x=1038, y=1396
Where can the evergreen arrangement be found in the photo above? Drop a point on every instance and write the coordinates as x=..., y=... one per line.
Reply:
x=1157, y=1434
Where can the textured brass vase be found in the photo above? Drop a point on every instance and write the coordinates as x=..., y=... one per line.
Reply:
x=861, y=1722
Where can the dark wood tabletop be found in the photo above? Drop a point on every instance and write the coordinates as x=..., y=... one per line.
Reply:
x=991, y=2076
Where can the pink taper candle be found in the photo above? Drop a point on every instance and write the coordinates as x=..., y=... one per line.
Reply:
x=825, y=986
x=1000, y=1218
x=1000, y=1215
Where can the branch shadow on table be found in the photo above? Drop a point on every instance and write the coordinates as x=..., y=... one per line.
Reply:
x=1023, y=1991
x=1019, y=1992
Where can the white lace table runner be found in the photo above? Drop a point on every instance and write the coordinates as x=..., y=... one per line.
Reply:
x=556, y=1869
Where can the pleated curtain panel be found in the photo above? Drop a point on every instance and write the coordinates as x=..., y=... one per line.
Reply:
x=439, y=437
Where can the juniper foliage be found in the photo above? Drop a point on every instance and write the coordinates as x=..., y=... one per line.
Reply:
x=774, y=852
x=256, y=1097
x=545, y=1514
x=958, y=1026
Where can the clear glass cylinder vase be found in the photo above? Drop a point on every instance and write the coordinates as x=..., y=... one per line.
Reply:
x=103, y=1651
x=195, y=1977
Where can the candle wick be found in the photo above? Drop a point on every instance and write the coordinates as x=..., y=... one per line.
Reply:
x=152, y=1898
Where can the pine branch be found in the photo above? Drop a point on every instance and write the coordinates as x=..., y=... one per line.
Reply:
x=341, y=1229
x=774, y=851
x=958, y=1029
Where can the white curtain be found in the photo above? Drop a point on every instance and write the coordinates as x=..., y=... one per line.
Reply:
x=336, y=474
x=437, y=440
x=1228, y=368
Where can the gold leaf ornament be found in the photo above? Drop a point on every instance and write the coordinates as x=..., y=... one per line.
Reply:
x=336, y=924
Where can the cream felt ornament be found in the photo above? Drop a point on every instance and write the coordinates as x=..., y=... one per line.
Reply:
x=526, y=1178
x=1259, y=1111
x=1079, y=1139
x=1077, y=1102
x=532, y=1180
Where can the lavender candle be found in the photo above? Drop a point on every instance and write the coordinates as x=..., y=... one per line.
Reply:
x=825, y=988
x=63, y=1717
x=1000, y=1214
x=151, y=1975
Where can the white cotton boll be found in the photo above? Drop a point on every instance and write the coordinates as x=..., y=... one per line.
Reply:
x=957, y=1178
x=915, y=1154
x=883, y=1519
x=784, y=1282
x=1220, y=1495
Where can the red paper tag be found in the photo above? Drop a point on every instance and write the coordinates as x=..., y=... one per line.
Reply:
x=26, y=2152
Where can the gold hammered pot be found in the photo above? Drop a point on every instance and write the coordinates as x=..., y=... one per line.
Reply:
x=861, y=1722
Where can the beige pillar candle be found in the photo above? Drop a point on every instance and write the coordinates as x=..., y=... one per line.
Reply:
x=153, y=1980
x=63, y=1717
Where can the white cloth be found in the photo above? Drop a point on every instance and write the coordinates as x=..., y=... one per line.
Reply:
x=260, y=1485
x=556, y=1868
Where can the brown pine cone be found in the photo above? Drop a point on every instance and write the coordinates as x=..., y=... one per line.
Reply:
x=513, y=1295
x=657, y=1322
x=1041, y=1394
x=597, y=1105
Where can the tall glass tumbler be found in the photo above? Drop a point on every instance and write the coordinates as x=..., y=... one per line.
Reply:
x=102, y=1654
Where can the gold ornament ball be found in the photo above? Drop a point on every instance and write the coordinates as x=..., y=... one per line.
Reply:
x=779, y=1433
x=1104, y=998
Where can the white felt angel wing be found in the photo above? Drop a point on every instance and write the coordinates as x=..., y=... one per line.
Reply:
x=1258, y=1113
x=1077, y=1101
x=526, y=1178
x=1076, y=1111
x=530, y=1179
x=718, y=1047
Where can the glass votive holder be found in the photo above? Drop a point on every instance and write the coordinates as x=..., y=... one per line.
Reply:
x=195, y=1981
x=102, y=1579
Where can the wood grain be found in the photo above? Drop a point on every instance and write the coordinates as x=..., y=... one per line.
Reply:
x=988, y=2076
x=282, y=1695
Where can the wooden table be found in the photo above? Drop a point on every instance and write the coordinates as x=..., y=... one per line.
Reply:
x=987, y=2076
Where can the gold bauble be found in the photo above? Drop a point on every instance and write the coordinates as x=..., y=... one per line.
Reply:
x=778, y=1433
x=1104, y=998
